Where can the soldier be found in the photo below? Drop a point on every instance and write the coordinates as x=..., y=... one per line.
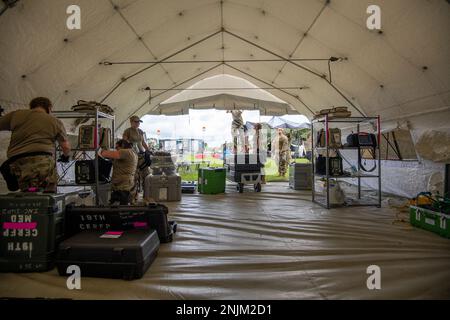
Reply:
x=136, y=137
x=238, y=131
x=31, y=162
x=284, y=152
x=259, y=146
x=124, y=168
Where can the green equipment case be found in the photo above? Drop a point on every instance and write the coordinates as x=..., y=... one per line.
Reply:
x=211, y=180
x=32, y=224
x=430, y=220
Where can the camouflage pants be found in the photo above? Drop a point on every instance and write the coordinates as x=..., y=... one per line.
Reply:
x=36, y=172
x=283, y=164
x=139, y=178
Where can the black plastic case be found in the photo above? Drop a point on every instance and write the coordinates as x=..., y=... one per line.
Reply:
x=106, y=254
x=119, y=218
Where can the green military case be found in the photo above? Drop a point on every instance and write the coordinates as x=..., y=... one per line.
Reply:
x=430, y=220
x=211, y=180
x=32, y=224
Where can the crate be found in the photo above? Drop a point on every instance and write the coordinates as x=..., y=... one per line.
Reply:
x=300, y=176
x=211, y=180
x=32, y=224
x=163, y=188
x=430, y=220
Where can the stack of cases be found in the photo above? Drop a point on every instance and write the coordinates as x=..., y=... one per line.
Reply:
x=162, y=163
x=32, y=226
x=300, y=176
x=211, y=180
x=124, y=255
x=242, y=163
x=163, y=188
x=164, y=184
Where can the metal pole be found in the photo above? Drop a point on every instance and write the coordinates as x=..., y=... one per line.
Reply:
x=97, y=184
x=107, y=63
x=359, y=167
x=327, y=167
x=313, y=177
x=379, y=160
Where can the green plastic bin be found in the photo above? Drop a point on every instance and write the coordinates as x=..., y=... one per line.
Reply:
x=427, y=219
x=211, y=180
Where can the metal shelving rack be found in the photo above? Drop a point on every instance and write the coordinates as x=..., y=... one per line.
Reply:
x=358, y=121
x=97, y=115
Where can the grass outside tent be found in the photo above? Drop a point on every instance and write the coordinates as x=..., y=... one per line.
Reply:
x=190, y=172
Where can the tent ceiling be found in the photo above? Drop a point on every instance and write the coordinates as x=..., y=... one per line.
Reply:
x=382, y=74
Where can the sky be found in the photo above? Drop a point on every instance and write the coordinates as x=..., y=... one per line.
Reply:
x=217, y=124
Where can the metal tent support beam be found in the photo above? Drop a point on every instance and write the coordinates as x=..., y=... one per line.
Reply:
x=109, y=63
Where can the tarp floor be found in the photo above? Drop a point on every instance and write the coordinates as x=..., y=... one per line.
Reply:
x=275, y=244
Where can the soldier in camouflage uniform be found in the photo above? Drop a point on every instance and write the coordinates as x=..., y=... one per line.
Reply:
x=238, y=132
x=124, y=167
x=283, y=153
x=31, y=149
x=136, y=137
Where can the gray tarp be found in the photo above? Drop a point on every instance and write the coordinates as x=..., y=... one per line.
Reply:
x=272, y=245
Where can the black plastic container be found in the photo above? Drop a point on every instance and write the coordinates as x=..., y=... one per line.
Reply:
x=106, y=254
x=119, y=218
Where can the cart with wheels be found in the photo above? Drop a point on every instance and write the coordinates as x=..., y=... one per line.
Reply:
x=244, y=169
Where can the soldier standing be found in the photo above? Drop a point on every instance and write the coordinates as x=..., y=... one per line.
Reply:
x=31, y=162
x=284, y=152
x=136, y=137
x=238, y=131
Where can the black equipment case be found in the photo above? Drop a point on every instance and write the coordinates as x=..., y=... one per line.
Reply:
x=120, y=218
x=107, y=254
x=244, y=162
x=85, y=171
x=32, y=224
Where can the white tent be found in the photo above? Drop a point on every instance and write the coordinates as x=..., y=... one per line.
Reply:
x=400, y=72
x=214, y=93
x=308, y=54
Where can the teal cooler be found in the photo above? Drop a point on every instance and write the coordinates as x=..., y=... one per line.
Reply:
x=211, y=180
x=32, y=224
x=430, y=220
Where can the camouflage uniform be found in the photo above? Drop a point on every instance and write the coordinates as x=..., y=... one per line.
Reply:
x=136, y=137
x=284, y=155
x=33, y=131
x=36, y=172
